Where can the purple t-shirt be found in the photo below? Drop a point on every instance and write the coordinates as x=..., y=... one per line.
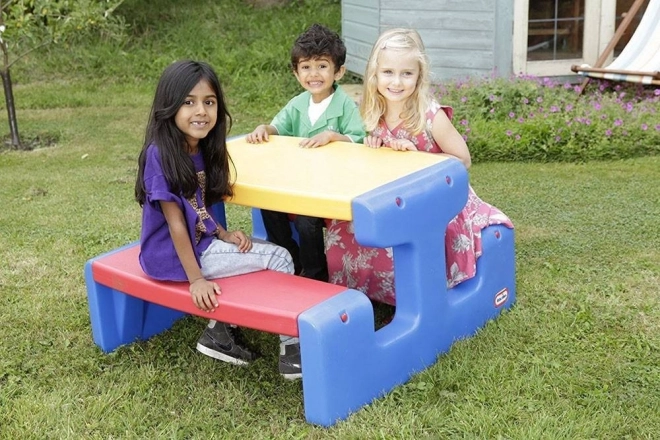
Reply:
x=158, y=256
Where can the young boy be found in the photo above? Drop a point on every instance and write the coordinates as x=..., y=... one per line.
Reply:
x=321, y=114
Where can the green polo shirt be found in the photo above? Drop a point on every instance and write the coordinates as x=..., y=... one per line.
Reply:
x=341, y=116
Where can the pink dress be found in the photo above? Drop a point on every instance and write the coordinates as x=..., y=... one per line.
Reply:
x=370, y=270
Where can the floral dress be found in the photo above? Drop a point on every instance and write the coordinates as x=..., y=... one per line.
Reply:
x=370, y=270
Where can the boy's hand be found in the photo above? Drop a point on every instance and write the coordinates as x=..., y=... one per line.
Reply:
x=318, y=140
x=260, y=134
x=373, y=141
x=239, y=239
x=204, y=294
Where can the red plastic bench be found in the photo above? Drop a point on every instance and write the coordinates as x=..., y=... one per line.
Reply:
x=266, y=300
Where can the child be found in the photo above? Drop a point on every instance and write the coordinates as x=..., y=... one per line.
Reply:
x=183, y=169
x=321, y=114
x=399, y=113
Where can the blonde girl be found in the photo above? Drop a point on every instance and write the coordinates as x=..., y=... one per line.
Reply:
x=399, y=113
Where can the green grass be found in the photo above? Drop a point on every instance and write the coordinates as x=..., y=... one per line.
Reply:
x=577, y=357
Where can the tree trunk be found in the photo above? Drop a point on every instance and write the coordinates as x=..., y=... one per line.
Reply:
x=11, y=109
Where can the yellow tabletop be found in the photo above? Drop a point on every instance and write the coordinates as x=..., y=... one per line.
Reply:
x=321, y=182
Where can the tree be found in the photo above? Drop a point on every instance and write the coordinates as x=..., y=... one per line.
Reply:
x=29, y=25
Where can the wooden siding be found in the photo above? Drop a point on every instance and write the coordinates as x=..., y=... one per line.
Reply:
x=462, y=37
x=360, y=24
x=439, y=5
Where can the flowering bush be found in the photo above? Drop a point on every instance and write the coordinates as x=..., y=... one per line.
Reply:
x=540, y=119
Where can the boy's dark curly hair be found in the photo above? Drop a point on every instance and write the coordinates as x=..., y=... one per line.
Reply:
x=317, y=41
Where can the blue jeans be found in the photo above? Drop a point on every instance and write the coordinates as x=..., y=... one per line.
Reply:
x=222, y=259
x=308, y=256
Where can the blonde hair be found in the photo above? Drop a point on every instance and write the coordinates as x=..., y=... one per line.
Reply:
x=373, y=104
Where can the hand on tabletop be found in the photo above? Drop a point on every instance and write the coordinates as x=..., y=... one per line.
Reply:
x=316, y=141
x=373, y=141
x=259, y=135
x=402, y=145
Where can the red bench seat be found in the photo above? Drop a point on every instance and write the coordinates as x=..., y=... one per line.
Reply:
x=266, y=300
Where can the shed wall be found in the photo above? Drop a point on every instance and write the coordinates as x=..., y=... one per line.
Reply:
x=462, y=37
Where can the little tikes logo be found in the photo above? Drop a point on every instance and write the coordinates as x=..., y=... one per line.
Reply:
x=501, y=297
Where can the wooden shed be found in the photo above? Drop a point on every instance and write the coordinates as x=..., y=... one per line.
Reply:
x=489, y=37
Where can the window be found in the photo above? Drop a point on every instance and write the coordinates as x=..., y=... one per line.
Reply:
x=551, y=35
x=555, y=29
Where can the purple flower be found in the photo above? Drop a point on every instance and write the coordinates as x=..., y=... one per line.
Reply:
x=521, y=119
x=596, y=105
x=508, y=133
x=656, y=92
x=464, y=99
x=645, y=127
x=512, y=115
x=465, y=138
x=629, y=107
x=568, y=107
x=557, y=138
x=517, y=137
x=526, y=101
x=618, y=122
x=464, y=122
x=657, y=127
x=554, y=109
x=539, y=100
x=608, y=132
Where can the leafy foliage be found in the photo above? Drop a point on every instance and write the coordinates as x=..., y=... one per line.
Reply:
x=30, y=24
x=540, y=119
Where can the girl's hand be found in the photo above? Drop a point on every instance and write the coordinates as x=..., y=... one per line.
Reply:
x=373, y=141
x=204, y=294
x=402, y=145
x=239, y=239
x=259, y=135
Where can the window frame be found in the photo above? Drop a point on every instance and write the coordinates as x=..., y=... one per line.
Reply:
x=599, y=21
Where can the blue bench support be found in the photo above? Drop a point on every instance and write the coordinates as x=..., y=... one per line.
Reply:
x=346, y=363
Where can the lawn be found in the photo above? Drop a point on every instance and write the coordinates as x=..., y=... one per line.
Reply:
x=577, y=357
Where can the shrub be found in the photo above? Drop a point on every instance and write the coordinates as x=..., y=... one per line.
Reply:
x=540, y=119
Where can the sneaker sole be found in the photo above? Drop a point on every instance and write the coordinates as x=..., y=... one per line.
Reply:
x=221, y=357
x=291, y=376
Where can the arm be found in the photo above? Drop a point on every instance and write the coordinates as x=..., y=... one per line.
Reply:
x=349, y=124
x=203, y=291
x=352, y=124
x=261, y=133
x=449, y=139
